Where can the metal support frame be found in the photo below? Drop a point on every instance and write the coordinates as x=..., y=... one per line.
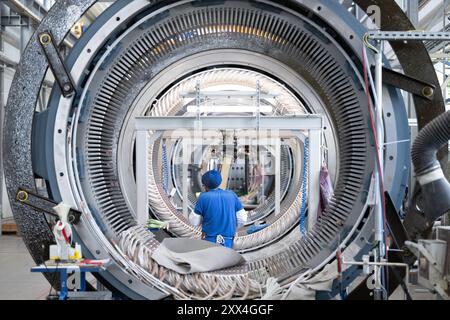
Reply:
x=380, y=251
x=311, y=123
x=379, y=225
x=315, y=164
x=186, y=159
x=412, y=10
x=261, y=157
x=142, y=143
x=433, y=251
x=366, y=264
x=278, y=176
x=414, y=59
x=427, y=91
x=380, y=37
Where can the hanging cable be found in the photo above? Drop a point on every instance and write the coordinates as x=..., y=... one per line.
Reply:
x=165, y=167
x=304, y=188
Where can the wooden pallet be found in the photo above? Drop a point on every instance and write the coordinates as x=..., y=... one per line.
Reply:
x=9, y=228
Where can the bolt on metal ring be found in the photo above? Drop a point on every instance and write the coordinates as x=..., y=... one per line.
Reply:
x=22, y=196
x=428, y=92
x=45, y=39
x=67, y=87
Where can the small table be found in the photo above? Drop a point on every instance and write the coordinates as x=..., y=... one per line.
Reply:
x=64, y=269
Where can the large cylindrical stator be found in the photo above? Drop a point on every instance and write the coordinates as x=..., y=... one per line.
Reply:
x=138, y=59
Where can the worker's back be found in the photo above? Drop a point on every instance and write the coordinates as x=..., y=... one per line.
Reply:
x=218, y=208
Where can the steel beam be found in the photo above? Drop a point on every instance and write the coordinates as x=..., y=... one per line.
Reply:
x=185, y=183
x=10, y=38
x=4, y=59
x=379, y=226
x=7, y=62
x=314, y=165
x=142, y=143
x=308, y=122
x=277, y=176
x=229, y=94
x=412, y=9
x=409, y=36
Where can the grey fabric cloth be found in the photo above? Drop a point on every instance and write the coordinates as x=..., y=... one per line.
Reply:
x=304, y=289
x=187, y=256
x=323, y=281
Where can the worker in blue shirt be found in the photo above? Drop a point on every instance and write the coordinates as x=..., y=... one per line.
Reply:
x=218, y=211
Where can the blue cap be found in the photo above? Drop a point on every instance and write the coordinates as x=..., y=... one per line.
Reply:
x=212, y=179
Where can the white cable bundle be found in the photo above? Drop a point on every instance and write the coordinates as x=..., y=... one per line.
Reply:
x=273, y=290
x=199, y=286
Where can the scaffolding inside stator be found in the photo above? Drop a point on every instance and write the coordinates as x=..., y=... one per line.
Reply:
x=266, y=134
x=233, y=153
x=247, y=165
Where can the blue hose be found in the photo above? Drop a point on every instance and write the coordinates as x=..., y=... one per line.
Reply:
x=256, y=228
x=304, y=188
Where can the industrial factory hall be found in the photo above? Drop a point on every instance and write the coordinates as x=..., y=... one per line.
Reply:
x=255, y=152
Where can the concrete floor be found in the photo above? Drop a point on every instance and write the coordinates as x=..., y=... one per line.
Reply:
x=16, y=280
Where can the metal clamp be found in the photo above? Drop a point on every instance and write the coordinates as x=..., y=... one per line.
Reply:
x=56, y=64
x=44, y=205
x=410, y=84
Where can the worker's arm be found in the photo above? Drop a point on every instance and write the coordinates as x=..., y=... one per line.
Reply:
x=195, y=219
x=241, y=214
x=242, y=217
x=196, y=216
